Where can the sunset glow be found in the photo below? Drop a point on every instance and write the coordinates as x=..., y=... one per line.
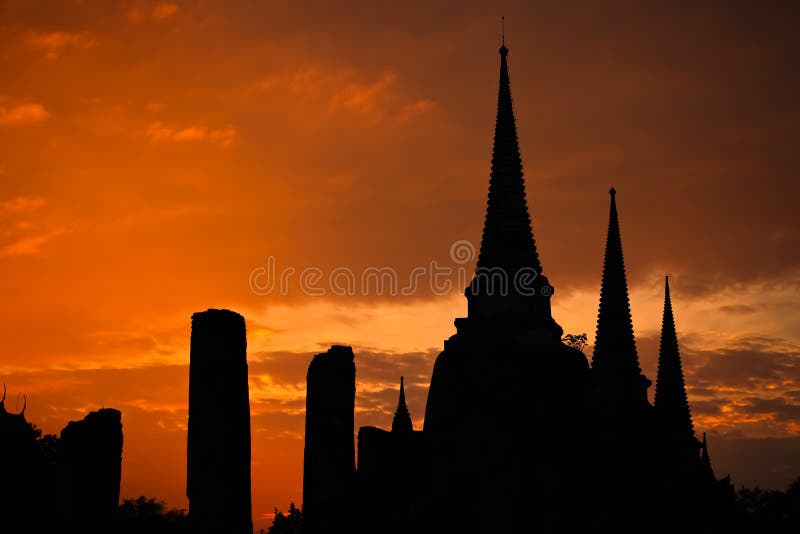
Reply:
x=154, y=154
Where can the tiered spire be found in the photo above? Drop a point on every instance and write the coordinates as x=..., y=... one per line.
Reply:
x=670, y=400
x=402, y=418
x=507, y=236
x=615, y=347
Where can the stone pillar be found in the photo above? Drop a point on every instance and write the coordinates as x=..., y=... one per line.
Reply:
x=329, y=469
x=218, y=451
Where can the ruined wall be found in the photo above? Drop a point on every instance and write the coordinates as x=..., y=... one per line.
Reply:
x=89, y=466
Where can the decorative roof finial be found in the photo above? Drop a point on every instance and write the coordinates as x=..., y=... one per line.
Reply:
x=503, y=49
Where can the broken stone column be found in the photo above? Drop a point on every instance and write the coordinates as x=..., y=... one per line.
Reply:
x=89, y=467
x=218, y=452
x=329, y=469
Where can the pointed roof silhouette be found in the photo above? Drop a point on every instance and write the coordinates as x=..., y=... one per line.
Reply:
x=705, y=459
x=614, y=346
x=507, y=240
x=402, y=417
x=670, y=399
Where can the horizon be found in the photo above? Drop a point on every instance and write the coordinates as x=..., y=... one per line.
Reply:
x=159, y=156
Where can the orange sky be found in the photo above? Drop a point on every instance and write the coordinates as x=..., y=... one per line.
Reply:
x=152, y=155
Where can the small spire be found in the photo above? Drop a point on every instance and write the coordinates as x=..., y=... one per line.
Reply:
x=671, y=400
x=402, y=418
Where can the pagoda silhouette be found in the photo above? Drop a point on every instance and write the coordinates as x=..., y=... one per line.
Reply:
x=521, y=433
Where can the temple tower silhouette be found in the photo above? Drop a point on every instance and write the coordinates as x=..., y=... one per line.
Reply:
x=671, y=402
x=506, y=364
x=329, y=456
x=615, y=362
x=622, y=427
x=520, y=433
x=218, y=449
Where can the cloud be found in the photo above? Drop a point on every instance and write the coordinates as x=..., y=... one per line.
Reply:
x=163, y=11
x=21, y=236
x=158, y=12
x=22, y=204
x=23, y=114
x=411, y=111
x=160, y=132
x=54, y=44
x=349, y=92
x=738, y=309
x=748, y=389
x=27, y=246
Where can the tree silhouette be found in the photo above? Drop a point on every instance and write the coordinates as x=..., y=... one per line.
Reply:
x=760, y=510
x=291, y=523
x=576, y=341
x=149, y=515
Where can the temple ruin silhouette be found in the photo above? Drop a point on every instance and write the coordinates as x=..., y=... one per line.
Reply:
x=520, y=433
x=89, y=469
x=218, y=448
x=70, y=484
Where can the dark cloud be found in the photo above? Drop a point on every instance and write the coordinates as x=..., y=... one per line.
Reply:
x=767, y=462
x=743, y=368
x=738, y=309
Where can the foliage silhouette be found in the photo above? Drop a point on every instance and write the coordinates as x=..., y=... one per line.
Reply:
x=149, y=515
x=576, y=341
x=776, y=511
x=291, y=523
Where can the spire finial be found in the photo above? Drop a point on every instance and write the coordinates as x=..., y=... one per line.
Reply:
x=612, y=192
x=503, y=49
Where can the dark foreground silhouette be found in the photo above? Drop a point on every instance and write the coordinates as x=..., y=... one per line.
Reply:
x=521, y=432
x=71, y=482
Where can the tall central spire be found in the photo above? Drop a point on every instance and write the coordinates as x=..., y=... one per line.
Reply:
x=508, y=282
x=615, y=347
x=508, y=240
x=670, y=399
